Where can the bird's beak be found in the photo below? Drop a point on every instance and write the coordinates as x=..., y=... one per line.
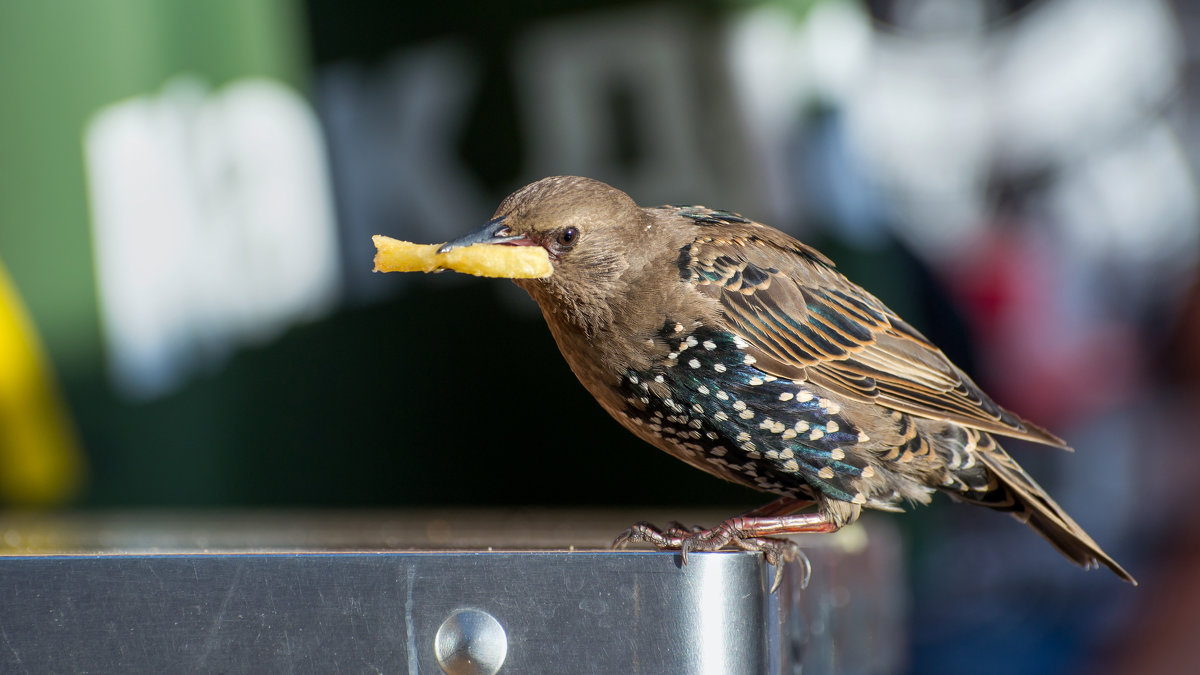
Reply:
x=495, y=232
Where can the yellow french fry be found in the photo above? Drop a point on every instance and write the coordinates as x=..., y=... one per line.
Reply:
x=482, y=260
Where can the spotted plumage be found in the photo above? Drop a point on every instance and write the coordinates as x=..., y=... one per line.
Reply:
x=746, y=354
x=728, y=417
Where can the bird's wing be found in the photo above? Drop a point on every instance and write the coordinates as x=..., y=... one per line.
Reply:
x=805, y=321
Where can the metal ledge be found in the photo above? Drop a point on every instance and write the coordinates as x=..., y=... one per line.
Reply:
x=317, y=610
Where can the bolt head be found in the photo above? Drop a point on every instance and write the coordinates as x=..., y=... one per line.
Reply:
x=471, y=642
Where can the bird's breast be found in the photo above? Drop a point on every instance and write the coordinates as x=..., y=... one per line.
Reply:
x=705, y=402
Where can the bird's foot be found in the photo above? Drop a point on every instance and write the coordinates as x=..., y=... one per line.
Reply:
x=731, y=533
x=668, y=539
x=676, y=529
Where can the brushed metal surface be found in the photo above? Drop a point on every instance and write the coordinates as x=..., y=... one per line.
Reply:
x=321, y=591
x=563, y=612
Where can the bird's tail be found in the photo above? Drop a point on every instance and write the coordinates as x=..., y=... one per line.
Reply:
x=981, y=472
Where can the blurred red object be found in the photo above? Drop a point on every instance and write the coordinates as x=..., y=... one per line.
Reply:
x=1044, y=358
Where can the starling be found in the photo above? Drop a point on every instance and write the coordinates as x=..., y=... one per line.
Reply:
x=745, y=353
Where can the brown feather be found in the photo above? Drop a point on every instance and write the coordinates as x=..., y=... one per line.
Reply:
x=810, y=322
x=1035, y=508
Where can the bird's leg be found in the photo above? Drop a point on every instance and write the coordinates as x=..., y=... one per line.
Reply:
x=777, y=550
x=751, y=534
x=748, y=532
x=685, y=539
x=743, y=531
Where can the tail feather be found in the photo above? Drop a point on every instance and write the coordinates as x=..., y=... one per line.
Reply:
x=1005, y=486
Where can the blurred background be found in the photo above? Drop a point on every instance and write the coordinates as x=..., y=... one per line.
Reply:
x=188, y=318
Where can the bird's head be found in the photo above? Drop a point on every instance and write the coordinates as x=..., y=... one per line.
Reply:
x=592, y=233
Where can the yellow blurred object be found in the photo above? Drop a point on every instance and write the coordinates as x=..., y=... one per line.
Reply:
x=40, y=462
x=508, y=262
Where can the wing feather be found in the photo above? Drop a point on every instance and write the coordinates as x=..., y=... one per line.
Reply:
x=804, y=320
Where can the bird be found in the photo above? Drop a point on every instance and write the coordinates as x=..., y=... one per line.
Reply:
x=745, y=353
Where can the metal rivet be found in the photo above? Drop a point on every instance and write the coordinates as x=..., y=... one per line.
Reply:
x=471, y=642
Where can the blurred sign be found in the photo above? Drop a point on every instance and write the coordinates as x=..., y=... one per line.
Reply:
x=212, y=222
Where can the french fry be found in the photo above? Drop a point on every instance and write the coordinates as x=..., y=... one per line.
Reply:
x=482, y=260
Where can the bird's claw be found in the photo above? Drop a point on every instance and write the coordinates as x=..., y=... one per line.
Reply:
x=644, y=532
x=776, y=551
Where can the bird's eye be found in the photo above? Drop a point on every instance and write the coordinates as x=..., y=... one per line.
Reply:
x=568, y=237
